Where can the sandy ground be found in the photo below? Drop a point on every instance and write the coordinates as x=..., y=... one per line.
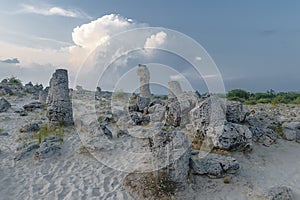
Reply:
x=71, y=175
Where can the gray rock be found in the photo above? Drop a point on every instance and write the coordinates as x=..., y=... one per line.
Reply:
x=49, y=147
x=106, y=131
x=5, y=90
x=144, y=75
x=122, y=133
x=43, y=95
x=187, y=101
x=59, y=106
x=171, y=153
x=139, y=119
x=26, y=150
x=291, y=131
x=157, y=113
x=280, y=193
x=173, y=112
x=33, y=89
x=4, y=105
x=4, y=133
x=174, y=89
x=231, y=137
x=214, y=165
x=33, y=105
x=235, y=112
x=143, y=102
x=209, y=113
x=31, y=127
x=265, y=136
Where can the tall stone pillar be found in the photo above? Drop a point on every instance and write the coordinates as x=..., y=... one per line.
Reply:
x=144, y=75
x=59, y=106
x=174, y=89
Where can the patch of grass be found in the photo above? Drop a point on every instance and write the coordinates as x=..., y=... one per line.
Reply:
x=119, y=94
x=14, y=81
x=156, y=185
x=277, y=129
x=47, y=131
x=83, y=150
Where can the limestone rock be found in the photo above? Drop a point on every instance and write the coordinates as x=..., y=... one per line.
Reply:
x=4, y=105
x=144, y=75
x=291, y=131
x=143, y=102
x=173, y=112
x=59, y=106
x=214, y=165
x=157, y=113
x=265, y=136
x=235, y=111
x=33, y=105
x=280, y=193
x=43, y=95
x=172, y=151
x=174, y=89
x=31, y=127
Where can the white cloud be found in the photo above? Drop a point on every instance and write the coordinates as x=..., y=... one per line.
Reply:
x=198, y=58
x=98, y=32
x=53, y=10
x=156, y=40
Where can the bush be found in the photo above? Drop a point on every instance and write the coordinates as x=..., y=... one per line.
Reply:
x=239, y=93
x=47, y=131
x=14, y=81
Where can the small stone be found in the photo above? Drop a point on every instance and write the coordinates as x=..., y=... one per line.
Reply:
x=226, y=179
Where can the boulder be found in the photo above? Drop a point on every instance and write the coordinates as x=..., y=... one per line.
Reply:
x=171, y=154
x=291, y=131
x=157, y=113
x=4, y=105
x=280, y=193
x=59, y=106
x=235, y=111
x=214, y=165
x=31, y=127
x=33, y=105
x=265, y=136
x=173, y=112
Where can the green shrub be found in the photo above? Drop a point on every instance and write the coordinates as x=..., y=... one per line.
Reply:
x=14, y=81
x=47, y=131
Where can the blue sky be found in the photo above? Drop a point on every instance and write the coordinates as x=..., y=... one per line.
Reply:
x=255, y=44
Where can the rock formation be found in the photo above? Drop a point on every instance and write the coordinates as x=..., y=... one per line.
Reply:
x=4, y=105
x=59, y=106
x=174, y=89
x=144, y=75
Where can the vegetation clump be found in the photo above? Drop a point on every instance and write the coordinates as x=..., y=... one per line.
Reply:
x=47, y=131
x=268, y=97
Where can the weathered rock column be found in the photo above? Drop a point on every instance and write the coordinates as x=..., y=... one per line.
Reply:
x=174, y=89
x=59, y=106
x=144, y=75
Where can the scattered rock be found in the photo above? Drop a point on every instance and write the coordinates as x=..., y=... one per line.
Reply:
x=265, y=136
x=122, y=133
x=31, y=127
x=280, y=193
x=157, y=113
x=33, y=105
x=26, y=150
x=214, y=165
x=49, y=147
x=4, y=133
x=226, y=180
x=59, y=106
x=4, y=105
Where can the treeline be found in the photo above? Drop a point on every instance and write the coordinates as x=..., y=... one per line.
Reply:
x=260, y=97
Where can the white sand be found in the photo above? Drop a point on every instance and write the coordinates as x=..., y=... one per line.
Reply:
x=79, y=176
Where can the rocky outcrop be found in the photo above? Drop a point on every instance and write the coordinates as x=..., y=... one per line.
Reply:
x=157, y=113
x=59, y=106
x=43, y=95
x=144, y=75
x=4, y=105
x=264, y=136
x=33, y=105
x=235, y=111
x=214, y=165
x=171, y=153
x=291, y=131
x=33, y=89
x=173, y=112
x=279, y=193
x=174, y=89
x=209, y=121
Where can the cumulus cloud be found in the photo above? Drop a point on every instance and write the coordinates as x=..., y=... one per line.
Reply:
x=98, y=33
x=53, y=10
x=156, y=40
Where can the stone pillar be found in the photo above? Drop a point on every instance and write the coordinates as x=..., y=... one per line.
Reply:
x=174, y=89
x=59, y=106
x=43, y=95
x=144, y=75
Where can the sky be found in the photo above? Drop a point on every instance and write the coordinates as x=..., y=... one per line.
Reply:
x=254, y=45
